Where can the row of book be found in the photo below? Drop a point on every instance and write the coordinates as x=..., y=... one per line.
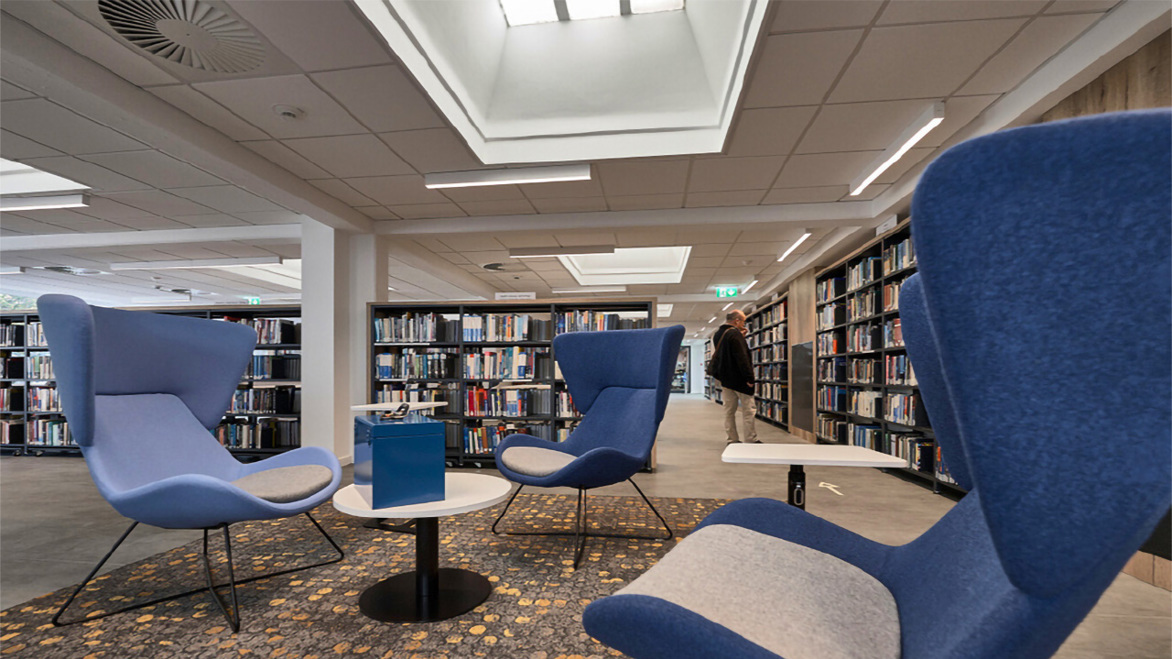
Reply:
x=828, y=289
x=412, y=327
x=597, y=321
x=38, y=366
x=775, y=372
x=893, y=333
x=832, y=428
x=866, y=435
x=898, y=369
x=507, y=402
x=485, y=438
x=416, y=363
x=863, y=305
x=832, y=398
x=564, y=405
x=771, y=335
x=919, y=451
x=898, y=256
x=832, y=369
x=270, y=331
x=11, y=335
x=770, y=353
x=259, y=433
x=891, y=294
x=11, y=432
x=280, y=366
x=866, y=271
x=770, y=390
x=772, y=411
x=862, y=371
x=770, y=316
x=905, y=409
x=865, y=403
x=275, y=400
x=829, y=343
x=831, y=315
x=48, y=432
x=862, y=338
x=513, y=363
x=41, y=399
x=34, y=335
x=505, y=327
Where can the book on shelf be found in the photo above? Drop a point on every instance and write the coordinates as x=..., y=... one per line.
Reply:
x=865, y=403
x=498, y=327
x=833, y=398
x=11, y=335
x=512, y=362
x=280, y=366
x=904, y=409
x=899, y=370
x=832, y=369
x=483, y=438
x=275, y=400
x=43, y=399
x=49, y=432
x=829, y=343
x=261, y=433
x=828, y=289
x=893, y=333
x=38, y=366
x=270, y=331
x=11, y=431
x=862, y=371
x=863, y=305
x=863, y=338
x=597, y=321
x=507, y=403
x=866, y=435
x=831, y=315
x=898, y=256
x=866, y=271
x=414, y=327
x=417, y=363
x=832, y=428
x=34, y=335
x=942, y=472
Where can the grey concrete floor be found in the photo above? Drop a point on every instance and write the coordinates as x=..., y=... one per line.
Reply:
x=54, y=525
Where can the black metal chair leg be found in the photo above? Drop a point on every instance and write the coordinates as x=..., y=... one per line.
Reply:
x=580, y=526
x=670, y=532
x=501, y=516
x=57, y=616
x=232, y=615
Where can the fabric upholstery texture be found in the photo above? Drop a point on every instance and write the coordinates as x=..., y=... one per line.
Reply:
x=285, y=484
x=1040, y=329
x=141, y=392
x=534, y=460
x=706, y=574
x=620, y=381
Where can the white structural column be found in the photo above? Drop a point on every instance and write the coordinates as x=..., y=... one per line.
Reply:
x=368, y=283
x=325, y=338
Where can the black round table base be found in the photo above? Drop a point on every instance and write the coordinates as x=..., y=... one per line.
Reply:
x=396, y=599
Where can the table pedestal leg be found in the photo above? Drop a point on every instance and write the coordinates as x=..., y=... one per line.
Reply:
x=797, y=486
x=428, y=593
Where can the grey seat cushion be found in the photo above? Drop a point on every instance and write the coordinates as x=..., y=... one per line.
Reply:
x=790, y=599
x=535, y=461
x=285, y=484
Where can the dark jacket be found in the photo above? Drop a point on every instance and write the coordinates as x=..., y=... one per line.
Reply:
x=732, y=365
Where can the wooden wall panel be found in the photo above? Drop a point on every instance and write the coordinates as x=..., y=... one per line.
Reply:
x=801, y=330
x=1143, y=80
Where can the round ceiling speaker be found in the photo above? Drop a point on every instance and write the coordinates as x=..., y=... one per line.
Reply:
x=188, y=32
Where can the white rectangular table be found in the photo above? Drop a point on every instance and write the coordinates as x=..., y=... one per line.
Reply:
x=800, y=455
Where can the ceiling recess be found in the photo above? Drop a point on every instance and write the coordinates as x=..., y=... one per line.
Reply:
x=188, y=32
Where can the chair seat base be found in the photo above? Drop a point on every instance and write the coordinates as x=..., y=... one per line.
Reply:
x=397, y=599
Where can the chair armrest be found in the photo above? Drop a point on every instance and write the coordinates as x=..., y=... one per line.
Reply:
x=306, y=455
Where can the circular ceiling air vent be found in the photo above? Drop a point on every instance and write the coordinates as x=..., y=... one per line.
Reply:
x=504, y=267
x=188, y=32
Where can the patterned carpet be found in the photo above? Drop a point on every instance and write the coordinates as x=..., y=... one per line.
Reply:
x=535, y=611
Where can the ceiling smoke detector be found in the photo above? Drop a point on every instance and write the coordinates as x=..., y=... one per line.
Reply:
x=188, y=32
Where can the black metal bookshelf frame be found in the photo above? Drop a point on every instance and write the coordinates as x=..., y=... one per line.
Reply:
x=757, y=331
x=458, y=456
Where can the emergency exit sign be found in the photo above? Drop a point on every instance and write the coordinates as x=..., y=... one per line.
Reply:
x=726, y=291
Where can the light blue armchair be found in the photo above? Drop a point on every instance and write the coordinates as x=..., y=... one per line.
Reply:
x=141, y=392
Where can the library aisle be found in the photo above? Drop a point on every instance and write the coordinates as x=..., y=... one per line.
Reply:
x=48, y=538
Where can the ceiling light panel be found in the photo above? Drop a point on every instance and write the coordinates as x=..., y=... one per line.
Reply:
x=586, y=9
x=511, y=176
x=529, y=12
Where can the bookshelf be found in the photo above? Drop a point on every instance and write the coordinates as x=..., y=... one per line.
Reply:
x=491, y=362
x=866, y=392
x=264, y=417
x=712, y=388
x=769, y=348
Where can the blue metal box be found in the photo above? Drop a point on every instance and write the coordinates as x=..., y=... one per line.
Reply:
x=399, y=461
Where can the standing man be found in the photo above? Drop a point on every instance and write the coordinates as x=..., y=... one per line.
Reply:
x=733, y=367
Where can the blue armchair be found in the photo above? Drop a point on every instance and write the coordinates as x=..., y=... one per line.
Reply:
x=141, y=392
x=1040, y=328
x=620, y=381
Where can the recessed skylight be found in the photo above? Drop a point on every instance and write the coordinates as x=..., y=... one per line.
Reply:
x=632, y=265
x=532, y=12
x=19, y=180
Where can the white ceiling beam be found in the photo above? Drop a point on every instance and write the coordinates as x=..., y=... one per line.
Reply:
x=1120, y=33
x=842, y=213
x=46, y=67
x=62, y=241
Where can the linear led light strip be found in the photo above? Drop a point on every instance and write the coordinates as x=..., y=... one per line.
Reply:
x=923, y=124
x=791, y=249
x=43, y=202
x=513, y=176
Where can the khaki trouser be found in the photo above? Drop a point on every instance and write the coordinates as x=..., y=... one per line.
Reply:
x=733, y=400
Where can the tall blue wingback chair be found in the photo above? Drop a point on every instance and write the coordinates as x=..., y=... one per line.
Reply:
x=620, y=381
x=1040, y=329
x=141, y=392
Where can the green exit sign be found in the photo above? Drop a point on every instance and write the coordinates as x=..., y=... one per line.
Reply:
x=726, y=291
x=254, y=300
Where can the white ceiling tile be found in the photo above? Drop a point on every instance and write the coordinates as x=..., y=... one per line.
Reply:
x=209, y=112
x=226, y=199
x=758, y=248
x=52, y=125
x=721, y=174
x=155, y=168
x=550, y=267
x=860, y=126
x=15, y=147
x=397, y=190
x=468, y=243
x=573, y=205
x=645, y=202
x=1062, y=6
x=433, y=244
x=432, y=150
x=484, y=193
x=160, y=203
x=1039, y=41
x=705, y=261
x=283, y=156
x=769, y=131
x=425, y=211
x=10, y=92
x=929, y=11
x=806, y=195
x=96, y=177
x=906, y=62
x=745, y=264
x=727, y=198
x=59, y=216
x=338, y=39
x=382, y=97
x=152, y=223
x=377, y=212
x=650, y=237
x=526, y=239
x=503, y=207
x=253, y=100
x=801, y=15
x=798, y=69
x=351, y=155
x=572, y=238
x=566, y=190
x=213, y=220
x=108, y=209
x=343, y=192
x=30, y=226
x=489, y=256
x=270, y=217
x=454, y=257
x=821, y=169
x=710, y=249
x=707, y=236
x=643, y=178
